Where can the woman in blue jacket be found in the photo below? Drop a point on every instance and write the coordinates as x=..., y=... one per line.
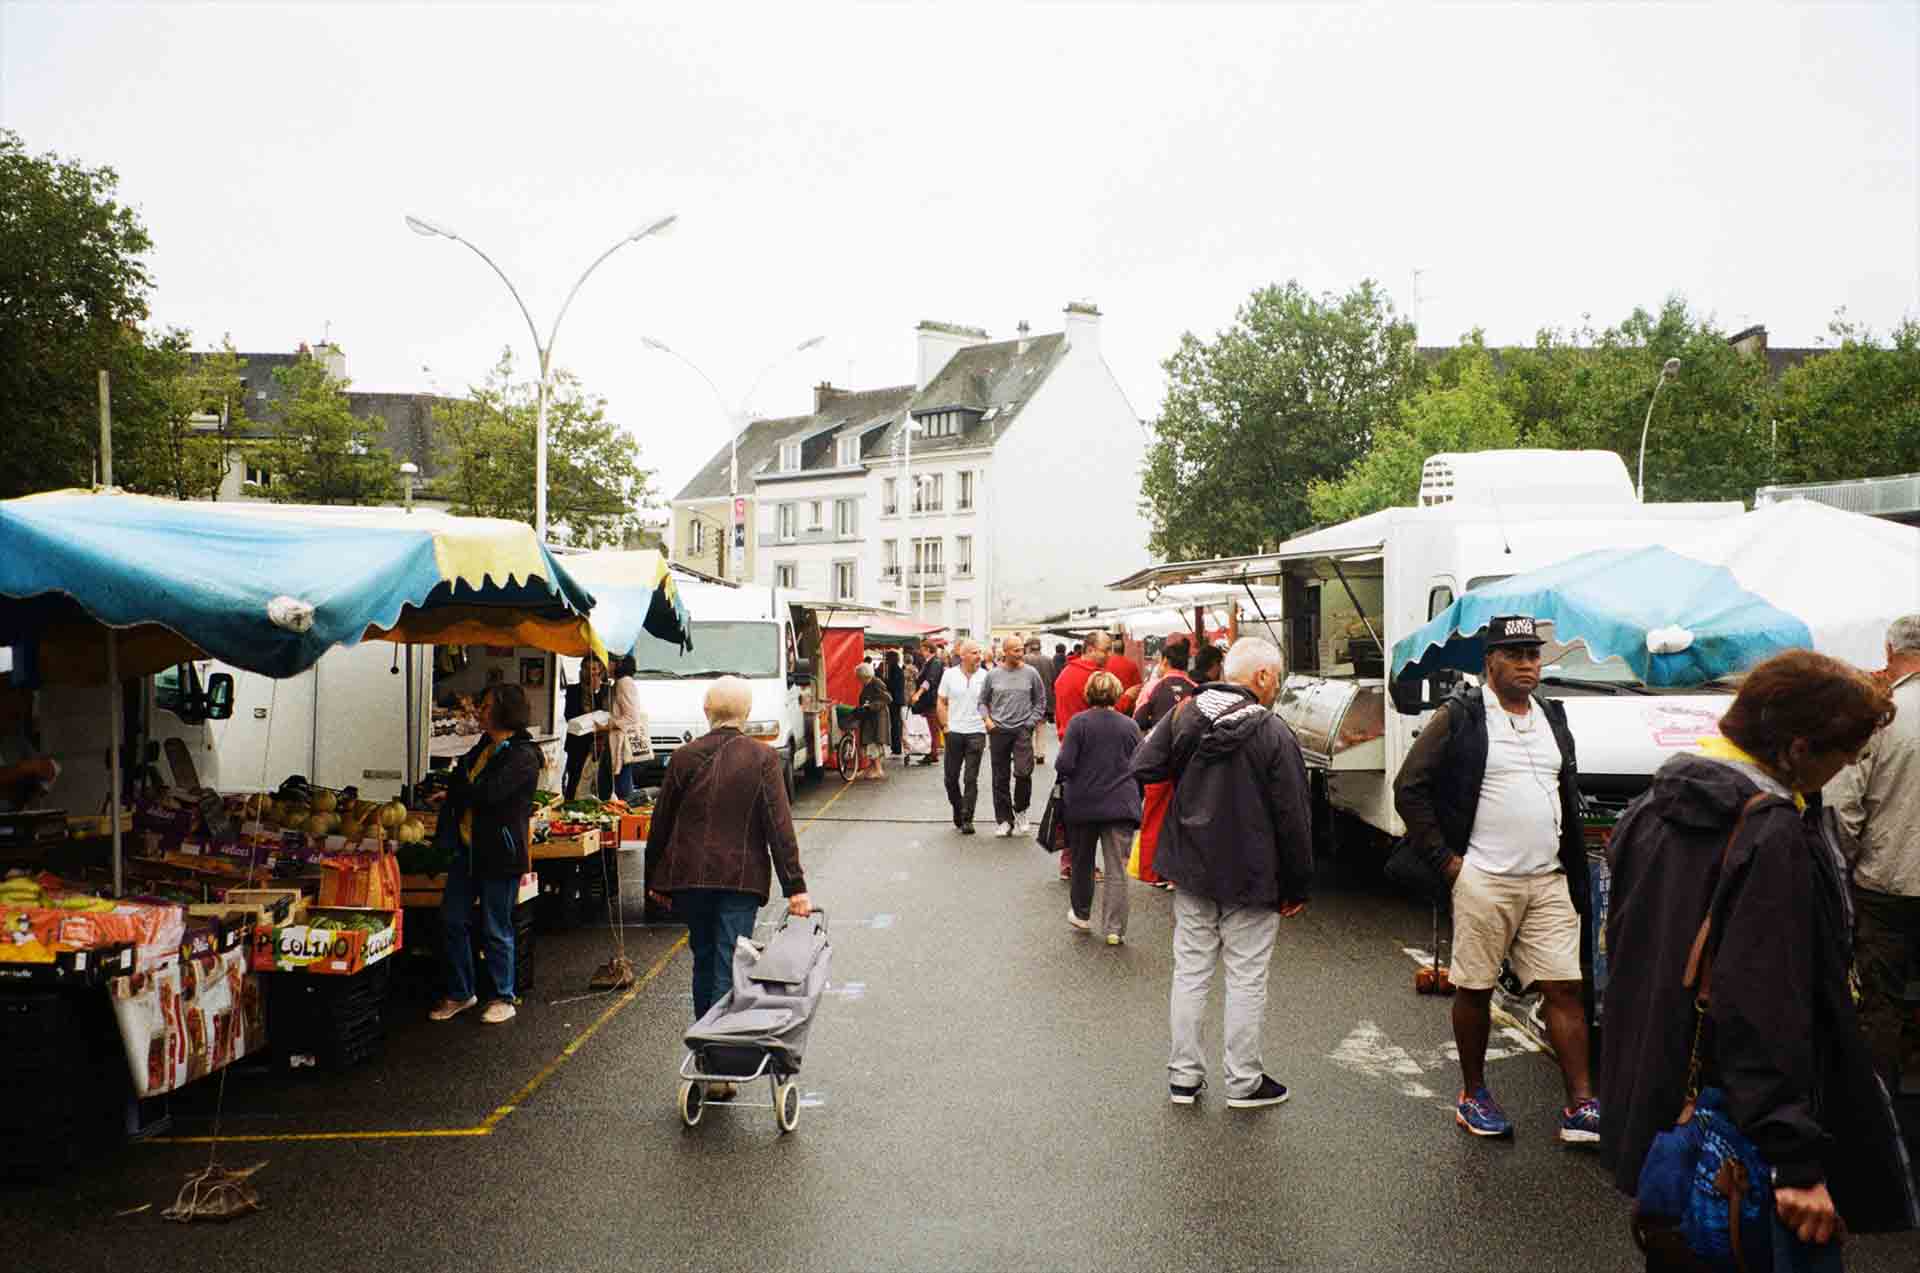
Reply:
x=1101, y=804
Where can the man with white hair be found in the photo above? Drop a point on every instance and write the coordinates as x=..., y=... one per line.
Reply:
x=1238, y=845
x=721, y=819
x=1878, y=802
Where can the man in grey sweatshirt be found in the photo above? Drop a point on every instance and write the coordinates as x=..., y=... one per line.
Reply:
x=1013, y=701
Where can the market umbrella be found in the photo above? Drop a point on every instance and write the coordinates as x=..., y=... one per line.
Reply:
x=1712, y=604
x=264, y=587
x=97, y=587
x=633, y=592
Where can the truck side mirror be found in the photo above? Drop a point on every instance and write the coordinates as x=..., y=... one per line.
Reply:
x=801, y=673
x=220, y=696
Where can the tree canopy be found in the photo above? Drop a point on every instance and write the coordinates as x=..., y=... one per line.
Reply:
x=321, y=452
x=1288, y=395
x=73, y=290
x=484, y=446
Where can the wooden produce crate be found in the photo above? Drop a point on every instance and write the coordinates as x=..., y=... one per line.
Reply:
x=586, y=844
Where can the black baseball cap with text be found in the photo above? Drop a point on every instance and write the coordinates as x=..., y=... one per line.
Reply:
x=1512, y=629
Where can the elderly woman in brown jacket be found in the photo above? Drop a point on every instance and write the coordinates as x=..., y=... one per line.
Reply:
x=721, y=830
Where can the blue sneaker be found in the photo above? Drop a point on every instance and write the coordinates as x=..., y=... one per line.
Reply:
x=1580, y=1125
x=1480, y=1114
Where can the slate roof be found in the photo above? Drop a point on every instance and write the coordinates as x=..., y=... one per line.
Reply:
x=760, y=441
x=995, y=380
x=406, y=419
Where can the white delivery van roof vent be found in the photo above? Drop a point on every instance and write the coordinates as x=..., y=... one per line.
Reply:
x=1436, y=481
x=1495, y=479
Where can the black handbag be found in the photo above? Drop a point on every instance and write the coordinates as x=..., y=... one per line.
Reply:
x=1052, y=836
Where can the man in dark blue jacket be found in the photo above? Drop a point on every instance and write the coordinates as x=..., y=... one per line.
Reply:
x=1238, y=846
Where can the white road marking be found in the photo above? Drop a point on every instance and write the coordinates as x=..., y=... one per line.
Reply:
x=1369, y=1052
x=1515, y=1029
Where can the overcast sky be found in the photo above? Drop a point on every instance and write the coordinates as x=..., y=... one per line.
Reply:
x=848, y=171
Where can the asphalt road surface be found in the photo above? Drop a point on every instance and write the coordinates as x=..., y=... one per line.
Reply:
x=985, y=1089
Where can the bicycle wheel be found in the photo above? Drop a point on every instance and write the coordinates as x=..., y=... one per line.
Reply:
x=849, y=752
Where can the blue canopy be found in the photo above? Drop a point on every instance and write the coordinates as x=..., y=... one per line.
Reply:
x=1612, y=599
x=267, y=588
x=1710, y=604
x=634, y=591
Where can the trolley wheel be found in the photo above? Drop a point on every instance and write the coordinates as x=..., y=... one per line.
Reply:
x=849, y=752
x=786, y=1105
x=693, y=1101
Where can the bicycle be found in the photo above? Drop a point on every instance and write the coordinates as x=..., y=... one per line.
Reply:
x=847, y=748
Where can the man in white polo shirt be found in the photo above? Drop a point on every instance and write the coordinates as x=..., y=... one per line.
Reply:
x=1489, y=794
x=966, y=732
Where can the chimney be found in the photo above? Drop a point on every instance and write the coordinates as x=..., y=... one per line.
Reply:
x=938, y=343
x=823, y=393
x=1024, y=331
x=334, y=358
x=1083, y=326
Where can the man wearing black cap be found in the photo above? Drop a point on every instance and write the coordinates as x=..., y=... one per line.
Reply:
x=1488, y=793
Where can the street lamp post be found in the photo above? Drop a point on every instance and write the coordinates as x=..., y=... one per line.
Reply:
x=736, y=417
x=429, y=229
x=1668, y=371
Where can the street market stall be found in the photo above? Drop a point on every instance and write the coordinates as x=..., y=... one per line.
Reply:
x=99, y=588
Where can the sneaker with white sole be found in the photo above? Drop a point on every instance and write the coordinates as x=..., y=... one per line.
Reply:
x=1075, y=922
x=1020, y=824
x=1003, y=829
x=1270, y=1092
x=497, y=1011
x=447, y=1009
x=1185, y=1095
x=1580, y=1124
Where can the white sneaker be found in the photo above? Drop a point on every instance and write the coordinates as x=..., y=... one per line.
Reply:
x=1020, y=824
x=447, y=1009
x=1003, y=829
x=1075, y=921
x=497, y=1011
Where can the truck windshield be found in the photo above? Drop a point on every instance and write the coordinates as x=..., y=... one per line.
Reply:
x=749, y=649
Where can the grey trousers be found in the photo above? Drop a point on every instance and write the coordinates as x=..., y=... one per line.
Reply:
x=1113, y=841
x=1241, y=937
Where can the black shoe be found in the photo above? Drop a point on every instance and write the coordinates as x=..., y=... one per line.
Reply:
x=957, y=823
x=966, y=828
x=1185, y=1095
x=1270, y=1092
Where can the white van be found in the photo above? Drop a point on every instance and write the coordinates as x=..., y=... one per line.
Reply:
x=749, y=632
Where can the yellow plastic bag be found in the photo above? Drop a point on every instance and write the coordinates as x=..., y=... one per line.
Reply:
x=1133, y=857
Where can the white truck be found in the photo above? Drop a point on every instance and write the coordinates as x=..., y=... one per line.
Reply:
x=766, y=636
x=1351, y=591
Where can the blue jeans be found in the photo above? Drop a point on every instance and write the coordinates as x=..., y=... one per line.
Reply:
x=715, y=919
x=496, y=919
x=627, y=780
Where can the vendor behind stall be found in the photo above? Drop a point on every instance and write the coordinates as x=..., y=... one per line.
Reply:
x=491, y=805
x=24, y=773
x=588, y=694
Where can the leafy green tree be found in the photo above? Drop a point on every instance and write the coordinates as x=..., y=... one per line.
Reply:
x=174, y=422
x=1461, y=411
x=73, y=289
x=321, y=452
x=484, y=449
x=1288, y=395
x=1854, y=412
x=1589, y=389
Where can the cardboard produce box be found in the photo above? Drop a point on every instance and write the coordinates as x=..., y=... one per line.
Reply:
x=634, y=827
x=329, y=951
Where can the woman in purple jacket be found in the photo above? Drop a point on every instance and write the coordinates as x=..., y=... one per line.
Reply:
x=1101, y=804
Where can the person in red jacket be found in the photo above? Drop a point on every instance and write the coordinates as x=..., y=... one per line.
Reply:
x=1070, y=699
x=1130, y=681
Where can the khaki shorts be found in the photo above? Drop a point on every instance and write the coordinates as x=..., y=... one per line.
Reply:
x=1528, y=919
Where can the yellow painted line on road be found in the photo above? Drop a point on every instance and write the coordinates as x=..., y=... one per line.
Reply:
x=519, y=1098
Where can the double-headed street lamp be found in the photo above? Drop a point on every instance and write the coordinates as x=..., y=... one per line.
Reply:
x=1668, y=371
x=429, y=229
x=736, y=416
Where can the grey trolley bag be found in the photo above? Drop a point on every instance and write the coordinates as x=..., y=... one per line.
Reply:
x=759, y=1030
